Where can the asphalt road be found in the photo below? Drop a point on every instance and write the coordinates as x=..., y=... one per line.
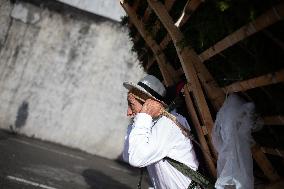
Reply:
x=27, y=163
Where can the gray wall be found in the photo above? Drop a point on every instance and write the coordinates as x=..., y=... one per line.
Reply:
x=61, y=77
x=108, y=8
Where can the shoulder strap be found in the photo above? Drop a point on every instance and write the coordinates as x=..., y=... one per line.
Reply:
x=196, y=177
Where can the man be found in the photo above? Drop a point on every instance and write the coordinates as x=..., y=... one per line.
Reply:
x=152, y=137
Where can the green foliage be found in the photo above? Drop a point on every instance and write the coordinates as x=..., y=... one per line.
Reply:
x=223, y=5
x=132, y=32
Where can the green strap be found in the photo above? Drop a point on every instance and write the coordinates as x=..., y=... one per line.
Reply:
x=140, y=179
x=195, y=176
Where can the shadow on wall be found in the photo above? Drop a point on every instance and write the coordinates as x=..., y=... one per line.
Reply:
x=98, y=180
x=22, y=115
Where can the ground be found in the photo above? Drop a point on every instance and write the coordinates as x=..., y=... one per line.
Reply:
x=27, y=163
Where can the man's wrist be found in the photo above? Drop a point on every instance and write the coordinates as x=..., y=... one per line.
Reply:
x=142, y=120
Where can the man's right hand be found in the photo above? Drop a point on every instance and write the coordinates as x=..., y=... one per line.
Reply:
x=152, y=108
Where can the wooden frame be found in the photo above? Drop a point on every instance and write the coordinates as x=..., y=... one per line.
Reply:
x=272, y=16
x=199, y=78
x=268, y=79
x=274, y=120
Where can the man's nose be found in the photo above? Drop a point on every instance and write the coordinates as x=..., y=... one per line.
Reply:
x=129, y=111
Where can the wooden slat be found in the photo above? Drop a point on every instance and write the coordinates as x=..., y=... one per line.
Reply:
x=267, y=19
x=274, y=120
x=188, y=58
x=198, y=128
x=147, y=14
x=169, y=4
x=148, y=11
x=157, y=26
x=264, y=80
x=273, y=151
x=166, y=69
x=135, y=5
x=264, y=163
x=190, y=7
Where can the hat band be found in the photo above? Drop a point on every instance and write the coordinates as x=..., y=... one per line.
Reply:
x=151, y=91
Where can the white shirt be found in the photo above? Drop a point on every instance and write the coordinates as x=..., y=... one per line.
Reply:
x=148, y=141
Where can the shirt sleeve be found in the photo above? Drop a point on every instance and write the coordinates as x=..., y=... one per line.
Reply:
x=147, y=143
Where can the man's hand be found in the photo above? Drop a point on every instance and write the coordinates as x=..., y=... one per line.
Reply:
x=152, y=108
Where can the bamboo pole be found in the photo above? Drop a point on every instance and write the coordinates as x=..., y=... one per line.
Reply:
x=272, y=16
x=268, y=79
x=274, y=120
x=188, y=58
x=200, y=134
x=264, y=163
x=166, y=69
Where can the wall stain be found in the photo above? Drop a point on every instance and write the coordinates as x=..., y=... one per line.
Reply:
x=22, y=115
x=84, y=30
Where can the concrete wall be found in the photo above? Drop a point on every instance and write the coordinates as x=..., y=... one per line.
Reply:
x=108, y=8
x=61, y=75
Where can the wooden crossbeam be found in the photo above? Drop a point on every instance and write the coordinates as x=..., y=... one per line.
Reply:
x=166, y=69
x=274, y=120
x=189, y=8
x=204, y=146
x=264, y=80
x=272, y=16
x=273, y=151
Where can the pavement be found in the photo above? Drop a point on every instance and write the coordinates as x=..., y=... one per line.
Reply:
x=27, y=163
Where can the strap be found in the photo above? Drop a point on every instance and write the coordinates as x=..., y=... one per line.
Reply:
x=140, y=179
x=194, y=175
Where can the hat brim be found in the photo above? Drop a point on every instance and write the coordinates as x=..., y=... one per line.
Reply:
x=130, y=85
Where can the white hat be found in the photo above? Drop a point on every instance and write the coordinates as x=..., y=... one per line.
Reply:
x=149, y=85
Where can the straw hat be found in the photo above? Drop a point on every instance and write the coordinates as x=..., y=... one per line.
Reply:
x=150, y=86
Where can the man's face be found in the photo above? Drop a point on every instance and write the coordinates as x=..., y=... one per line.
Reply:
x=134, y=106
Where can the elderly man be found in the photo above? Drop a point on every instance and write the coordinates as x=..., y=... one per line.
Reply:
x=152, y=138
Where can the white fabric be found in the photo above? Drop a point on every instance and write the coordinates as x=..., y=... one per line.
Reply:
x=232, y=138
x=148, y=141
